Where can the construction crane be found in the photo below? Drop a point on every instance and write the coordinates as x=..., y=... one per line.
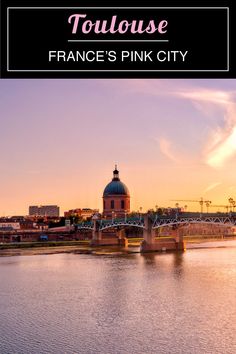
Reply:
x=201, y=202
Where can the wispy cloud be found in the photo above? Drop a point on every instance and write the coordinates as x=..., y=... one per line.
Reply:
x=221, y=142
x=166, y=149
x=212, y=186
x=223, y=151
x=206, y=95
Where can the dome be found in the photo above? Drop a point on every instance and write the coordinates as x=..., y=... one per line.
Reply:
x=115, y=187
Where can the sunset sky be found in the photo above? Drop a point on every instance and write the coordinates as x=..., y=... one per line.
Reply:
x=171, y=139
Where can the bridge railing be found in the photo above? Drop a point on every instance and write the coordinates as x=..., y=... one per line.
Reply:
x=84, y=224
x=104, y=222
x=121, y=221
x=193, y=215
x=139, y=220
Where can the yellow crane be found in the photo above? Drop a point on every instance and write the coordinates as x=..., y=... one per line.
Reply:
x=201, y=202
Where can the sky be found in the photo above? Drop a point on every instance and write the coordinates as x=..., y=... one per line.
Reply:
x=171, y=139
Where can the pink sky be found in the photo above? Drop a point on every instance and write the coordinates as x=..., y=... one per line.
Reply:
x=171, y=139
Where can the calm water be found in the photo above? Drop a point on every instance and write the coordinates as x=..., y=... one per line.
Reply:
x=157, y=303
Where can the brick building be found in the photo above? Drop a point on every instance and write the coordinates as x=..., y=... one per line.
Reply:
x=84, y=213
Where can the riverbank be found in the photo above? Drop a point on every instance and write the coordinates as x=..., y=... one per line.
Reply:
x=35, y=248
x=83, y=246
x=45, y=244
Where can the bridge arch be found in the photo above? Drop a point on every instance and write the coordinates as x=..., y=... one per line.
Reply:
x=202, y=222
x=121, y=224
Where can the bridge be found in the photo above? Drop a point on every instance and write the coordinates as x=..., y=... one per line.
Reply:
x=196, y=218
x=149, y=223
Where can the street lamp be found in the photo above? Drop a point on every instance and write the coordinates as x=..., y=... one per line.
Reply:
x=140, y=213
x=177, y=210
x=232, y=203
x=208, y=203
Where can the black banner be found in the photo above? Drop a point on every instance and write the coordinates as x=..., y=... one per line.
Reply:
x=70, y=40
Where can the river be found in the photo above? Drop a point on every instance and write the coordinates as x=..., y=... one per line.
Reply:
x=127, y=303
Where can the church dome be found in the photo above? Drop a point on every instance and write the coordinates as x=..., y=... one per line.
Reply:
x=115, y=187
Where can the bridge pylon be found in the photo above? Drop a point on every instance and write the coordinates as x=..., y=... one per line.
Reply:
x=178, y=237
x=98, y=238
x=148, y=232
x=150, y=243
x=123, y=241
x=96, y=233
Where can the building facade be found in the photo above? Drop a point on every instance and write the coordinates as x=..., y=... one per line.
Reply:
x=116, y=198
x=9, y=226
x=84, y=213
x=44, y=210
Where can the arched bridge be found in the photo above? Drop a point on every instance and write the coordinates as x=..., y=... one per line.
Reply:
x=161, y=221
x=114, y=223
x=149, y=222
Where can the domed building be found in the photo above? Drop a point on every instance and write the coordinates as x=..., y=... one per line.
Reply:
x=116, y=198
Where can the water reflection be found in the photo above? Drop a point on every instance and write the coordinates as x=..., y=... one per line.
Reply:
x=149, y=259
x=138, y=303
x=178, y=263
x=173, y=261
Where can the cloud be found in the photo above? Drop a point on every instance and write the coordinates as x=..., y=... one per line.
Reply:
x=212, y=186
x=166, y=149
x=221, y=142
x=222, y=146
x=206, y=95
x=223, y=151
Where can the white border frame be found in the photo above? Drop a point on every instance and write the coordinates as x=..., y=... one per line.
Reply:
x=119, y=8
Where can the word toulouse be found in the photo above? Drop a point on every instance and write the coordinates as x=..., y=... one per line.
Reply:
x=114, y=26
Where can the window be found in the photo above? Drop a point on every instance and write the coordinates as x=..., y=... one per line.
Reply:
x=122, y=204
x=104, y=204
x=112, y=204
